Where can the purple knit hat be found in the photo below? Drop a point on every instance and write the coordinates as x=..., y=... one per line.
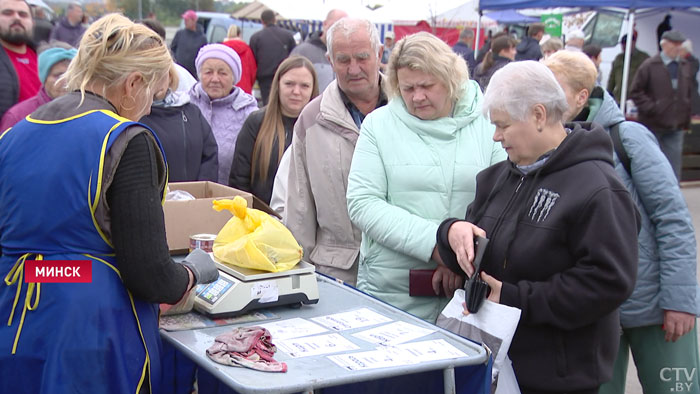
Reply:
x=221, y=52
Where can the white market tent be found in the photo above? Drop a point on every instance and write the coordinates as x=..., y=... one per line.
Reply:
x=466, y=14
x=442, y=13
x=311, y=13
x=318, y=9
x=41, y=4
x=315, y=10
x=630, y=7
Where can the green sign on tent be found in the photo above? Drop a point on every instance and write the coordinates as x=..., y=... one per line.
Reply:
x=552, y=24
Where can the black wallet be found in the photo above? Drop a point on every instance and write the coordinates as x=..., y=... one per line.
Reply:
x=475, y=289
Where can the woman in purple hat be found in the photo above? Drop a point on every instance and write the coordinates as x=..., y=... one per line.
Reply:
x=223, y=104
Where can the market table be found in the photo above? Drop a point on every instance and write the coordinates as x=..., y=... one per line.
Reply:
x=313, y=372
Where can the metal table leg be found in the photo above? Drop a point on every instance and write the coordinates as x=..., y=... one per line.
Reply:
x=448, y=376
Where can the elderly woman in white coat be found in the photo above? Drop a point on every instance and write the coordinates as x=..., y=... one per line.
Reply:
x=414, y=165
x=223, y=104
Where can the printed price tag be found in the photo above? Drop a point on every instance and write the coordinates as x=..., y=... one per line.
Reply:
x=266, y=291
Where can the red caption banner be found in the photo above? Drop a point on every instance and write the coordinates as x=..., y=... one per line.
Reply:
x=57, y=271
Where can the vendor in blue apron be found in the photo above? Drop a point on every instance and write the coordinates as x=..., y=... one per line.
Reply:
x=81, y=181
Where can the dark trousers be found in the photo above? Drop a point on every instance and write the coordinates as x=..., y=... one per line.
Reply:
x=265, y=84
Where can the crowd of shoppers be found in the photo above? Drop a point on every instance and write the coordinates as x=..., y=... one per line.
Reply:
x=386, y=159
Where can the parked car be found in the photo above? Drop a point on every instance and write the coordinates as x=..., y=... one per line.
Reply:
x=215, y=26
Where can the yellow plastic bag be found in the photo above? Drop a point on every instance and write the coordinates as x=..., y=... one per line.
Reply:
x=253, y=239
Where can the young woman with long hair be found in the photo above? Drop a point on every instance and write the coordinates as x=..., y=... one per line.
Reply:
x=258, y=151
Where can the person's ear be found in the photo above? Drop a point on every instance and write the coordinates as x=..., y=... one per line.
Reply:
x=134, y=83
x=539, y=115
x=582, y=98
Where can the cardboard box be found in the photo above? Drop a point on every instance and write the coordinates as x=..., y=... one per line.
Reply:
x=185, y=218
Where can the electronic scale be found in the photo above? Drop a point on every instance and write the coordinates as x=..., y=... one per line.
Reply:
x=239, y=290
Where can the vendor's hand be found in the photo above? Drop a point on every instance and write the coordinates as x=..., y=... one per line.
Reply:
x=677, y=324
x=202, y=266
x=461, y=238
x=448, y=280
x=495, y=286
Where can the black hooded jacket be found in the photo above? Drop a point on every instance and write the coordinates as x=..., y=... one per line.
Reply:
x=188, y=142
x=528, y=49
x=563, y=240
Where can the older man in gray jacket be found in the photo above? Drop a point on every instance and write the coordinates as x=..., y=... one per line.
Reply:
x=324, y=141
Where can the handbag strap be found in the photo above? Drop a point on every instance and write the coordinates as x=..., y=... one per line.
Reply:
x=619, y=148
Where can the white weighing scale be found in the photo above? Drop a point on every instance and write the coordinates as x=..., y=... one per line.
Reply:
x=239, y=290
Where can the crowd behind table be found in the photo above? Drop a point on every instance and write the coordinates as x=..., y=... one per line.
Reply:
x=383, y=159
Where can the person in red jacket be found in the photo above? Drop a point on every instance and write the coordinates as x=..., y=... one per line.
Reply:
x=248, y=64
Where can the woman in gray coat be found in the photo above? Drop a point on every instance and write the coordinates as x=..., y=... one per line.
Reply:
x=658, y=320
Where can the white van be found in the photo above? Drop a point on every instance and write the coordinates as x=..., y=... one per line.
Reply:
x=215, y=26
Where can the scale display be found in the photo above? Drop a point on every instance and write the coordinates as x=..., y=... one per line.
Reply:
x=215, y=290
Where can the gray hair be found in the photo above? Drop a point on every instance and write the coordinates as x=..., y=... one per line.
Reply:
x=552, y=44
x=424, y=52
x=519, y=86
x=687, y=45
x=466, y=33
x=348, y=26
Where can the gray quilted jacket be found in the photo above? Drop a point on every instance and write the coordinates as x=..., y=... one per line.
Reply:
x=667, y=273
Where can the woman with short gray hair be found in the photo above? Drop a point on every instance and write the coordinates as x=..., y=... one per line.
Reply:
x=563, y=233
x=414, y=165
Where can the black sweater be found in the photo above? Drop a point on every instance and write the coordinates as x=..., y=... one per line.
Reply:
x=564, y=244
x=271, y=46
x=243, y=155
x=185, y=47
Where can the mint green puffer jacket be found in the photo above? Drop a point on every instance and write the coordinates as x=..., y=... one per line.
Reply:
x=408, y=175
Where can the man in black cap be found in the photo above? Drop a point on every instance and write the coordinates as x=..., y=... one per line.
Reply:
x=270, y=46
x=661, y=90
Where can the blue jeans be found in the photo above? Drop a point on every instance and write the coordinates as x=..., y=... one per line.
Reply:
x=671, y=143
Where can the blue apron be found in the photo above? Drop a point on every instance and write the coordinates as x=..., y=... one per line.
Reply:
x=66, y=337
